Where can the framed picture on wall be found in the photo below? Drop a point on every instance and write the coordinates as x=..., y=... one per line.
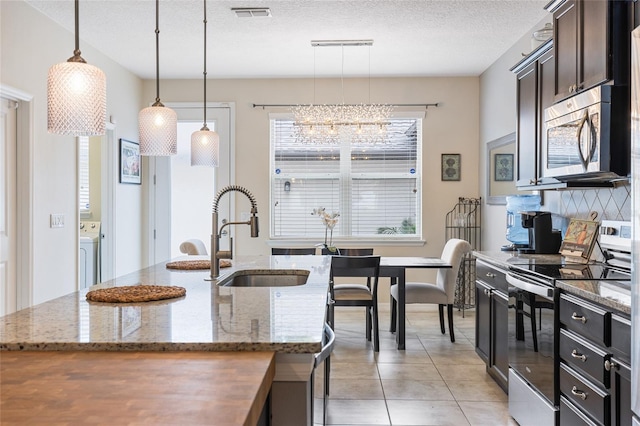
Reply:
x=450, y=166
x=503, y=164
x=130, y=170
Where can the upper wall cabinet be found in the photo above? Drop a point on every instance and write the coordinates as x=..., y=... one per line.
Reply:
x=591, y=39
x=535, y=84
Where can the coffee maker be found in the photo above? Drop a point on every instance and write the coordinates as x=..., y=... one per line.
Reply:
x=543, y=239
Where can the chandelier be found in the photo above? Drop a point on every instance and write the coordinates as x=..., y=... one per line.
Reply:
x=330, y=123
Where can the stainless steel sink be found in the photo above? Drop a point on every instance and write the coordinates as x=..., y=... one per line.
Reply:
x=272, y=278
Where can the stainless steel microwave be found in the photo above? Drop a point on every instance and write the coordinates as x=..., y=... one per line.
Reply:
x=587, y=137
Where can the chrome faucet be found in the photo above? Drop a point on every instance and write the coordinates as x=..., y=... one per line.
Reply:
x=217, y=254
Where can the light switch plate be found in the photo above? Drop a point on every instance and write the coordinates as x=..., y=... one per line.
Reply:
x=56, y=220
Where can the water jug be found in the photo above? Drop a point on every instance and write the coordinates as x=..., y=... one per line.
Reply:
x=515, y=204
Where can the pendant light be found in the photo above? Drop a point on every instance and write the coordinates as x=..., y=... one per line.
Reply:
x=76, y=95
x=205, y=144
x=158, y=124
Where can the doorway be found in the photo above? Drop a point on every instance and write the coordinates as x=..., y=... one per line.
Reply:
x=182, y=197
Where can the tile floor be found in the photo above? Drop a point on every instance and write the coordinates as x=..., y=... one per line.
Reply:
x=433, y=382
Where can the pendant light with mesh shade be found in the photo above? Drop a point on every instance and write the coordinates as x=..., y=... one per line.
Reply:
x=76, y=95
x=158, y=124
x=205, y=144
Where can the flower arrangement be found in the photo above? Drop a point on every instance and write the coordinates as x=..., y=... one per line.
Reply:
x=330, y=220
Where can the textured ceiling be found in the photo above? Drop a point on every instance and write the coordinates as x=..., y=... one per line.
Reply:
x=411, y=38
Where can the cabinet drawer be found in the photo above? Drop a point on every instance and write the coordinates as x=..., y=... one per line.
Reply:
x=571, y=416
x=492, y=276
x=583, y=356
x=587, y=396
x=585, y=319
x=621, y=337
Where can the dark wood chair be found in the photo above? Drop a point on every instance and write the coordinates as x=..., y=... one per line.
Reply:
x=348, y=252
x=366, y=294
x=292, y=251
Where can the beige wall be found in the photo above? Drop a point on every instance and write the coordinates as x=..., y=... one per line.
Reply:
x=30, y=44
x=450, y=128
x=497, y=119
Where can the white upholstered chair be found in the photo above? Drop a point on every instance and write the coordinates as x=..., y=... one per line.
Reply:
x=193, y=247
x=442, y=292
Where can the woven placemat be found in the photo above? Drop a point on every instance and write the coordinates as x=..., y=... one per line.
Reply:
x=135, y=293
x=192, y=265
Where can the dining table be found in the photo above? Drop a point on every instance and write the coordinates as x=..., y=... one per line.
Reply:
x=395, y=268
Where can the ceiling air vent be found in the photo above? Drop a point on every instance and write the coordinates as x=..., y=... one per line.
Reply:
x=252, y=12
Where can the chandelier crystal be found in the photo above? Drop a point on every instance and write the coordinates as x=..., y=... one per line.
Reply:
x=328, y=124
x=76, y=95
x=158, y=125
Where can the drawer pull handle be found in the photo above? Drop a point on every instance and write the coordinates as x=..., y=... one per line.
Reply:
x=577, y=317
x=610, y=365
x=490, y=275
x=578, y=355
x=487, y=292
x=580, y=394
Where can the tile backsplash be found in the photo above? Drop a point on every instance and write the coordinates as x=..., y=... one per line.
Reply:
x=609, y=203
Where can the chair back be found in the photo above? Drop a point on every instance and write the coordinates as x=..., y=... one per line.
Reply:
x=453, y=253
x=292, y=251
x=356, y=266
x=193, y=247
x=349, y=251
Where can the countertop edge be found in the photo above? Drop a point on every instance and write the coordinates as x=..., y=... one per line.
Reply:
x=592, y=297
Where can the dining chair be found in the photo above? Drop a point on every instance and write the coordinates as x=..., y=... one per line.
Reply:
x=356, y=294
x=193, y=247
x=348, y=251
x=442, y=292
x=292, y=251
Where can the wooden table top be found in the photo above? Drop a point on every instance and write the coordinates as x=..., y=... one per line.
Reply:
x=221, y=388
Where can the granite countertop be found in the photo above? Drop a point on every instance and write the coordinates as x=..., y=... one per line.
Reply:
x=209, y=318
x=612, y=294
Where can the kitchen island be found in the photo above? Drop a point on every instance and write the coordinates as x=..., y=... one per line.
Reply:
x=286, y=320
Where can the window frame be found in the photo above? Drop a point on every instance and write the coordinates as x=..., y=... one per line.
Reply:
x=391, y=239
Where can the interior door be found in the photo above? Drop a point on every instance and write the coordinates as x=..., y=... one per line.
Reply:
x=8, y=189
x=177, y=210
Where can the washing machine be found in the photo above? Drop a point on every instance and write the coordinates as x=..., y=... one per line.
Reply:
x=89, y=253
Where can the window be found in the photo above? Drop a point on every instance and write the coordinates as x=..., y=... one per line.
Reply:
x=83, y=173
x=375, y=188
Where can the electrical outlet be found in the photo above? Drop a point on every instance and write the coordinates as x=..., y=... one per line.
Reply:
x=56, y=220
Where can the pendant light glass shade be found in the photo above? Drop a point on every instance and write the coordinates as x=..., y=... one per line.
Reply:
x=158, y=127
x=157, y=124
x=205, y=144
x=76, y=95
x=205, y=147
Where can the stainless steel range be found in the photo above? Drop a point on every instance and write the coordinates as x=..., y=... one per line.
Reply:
x=533, y=298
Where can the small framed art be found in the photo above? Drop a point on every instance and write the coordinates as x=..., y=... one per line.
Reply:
x=503, y=167
x=130, y=170
x=450, y=166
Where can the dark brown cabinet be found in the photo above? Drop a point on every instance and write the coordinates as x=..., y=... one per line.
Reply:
x=491, y=321
x=594, y=357
x=590, y=44
x=535, y=92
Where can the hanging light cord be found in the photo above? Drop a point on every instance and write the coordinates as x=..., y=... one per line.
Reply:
x=204, y=125
x=157, y=103
x=76, y=52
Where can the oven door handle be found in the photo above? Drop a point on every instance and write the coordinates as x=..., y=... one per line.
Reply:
x=531, y=287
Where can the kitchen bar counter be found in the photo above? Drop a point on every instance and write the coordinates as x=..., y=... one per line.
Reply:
x=134, y=388
x=209, y=318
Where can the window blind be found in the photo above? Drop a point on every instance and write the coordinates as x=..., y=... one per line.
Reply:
x=375, y=187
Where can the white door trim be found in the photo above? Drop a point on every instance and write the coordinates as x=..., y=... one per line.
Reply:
x=24, y=201
x=109, y=156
